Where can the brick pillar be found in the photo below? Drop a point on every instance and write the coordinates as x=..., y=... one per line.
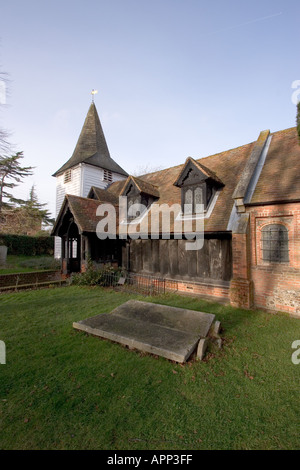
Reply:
x=241, y=286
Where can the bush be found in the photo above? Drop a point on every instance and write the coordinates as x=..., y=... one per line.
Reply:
x=28, y=246
x=93, y=276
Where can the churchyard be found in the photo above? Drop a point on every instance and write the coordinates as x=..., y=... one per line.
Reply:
x=63, y=389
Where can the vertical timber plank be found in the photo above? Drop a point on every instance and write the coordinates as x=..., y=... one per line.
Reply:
x=182, y=259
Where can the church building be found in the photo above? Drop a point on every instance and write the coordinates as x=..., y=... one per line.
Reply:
x=250, y=215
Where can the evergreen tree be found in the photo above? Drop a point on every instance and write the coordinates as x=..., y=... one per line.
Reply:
x=36, y=210
x=11, y=173
x=4, y=134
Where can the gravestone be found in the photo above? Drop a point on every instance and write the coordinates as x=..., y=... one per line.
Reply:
x=3, y=255
x=170, y=332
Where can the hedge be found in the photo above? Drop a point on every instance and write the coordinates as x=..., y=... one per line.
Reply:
x=26, y=245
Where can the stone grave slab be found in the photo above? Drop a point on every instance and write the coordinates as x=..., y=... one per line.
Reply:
x=170, y=332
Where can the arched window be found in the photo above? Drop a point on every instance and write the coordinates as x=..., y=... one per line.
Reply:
x=188, y=201
x=198, y=199
x=275, y=243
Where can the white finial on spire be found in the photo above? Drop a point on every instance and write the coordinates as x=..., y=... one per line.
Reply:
x=93, y=93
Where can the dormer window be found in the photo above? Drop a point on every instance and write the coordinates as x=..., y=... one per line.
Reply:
x=198, y=185
x=68, y=176
x=140, y=195
x=107, y=176
x=140, y=202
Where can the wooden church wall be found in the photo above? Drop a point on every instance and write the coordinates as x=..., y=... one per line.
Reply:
x=169, y=258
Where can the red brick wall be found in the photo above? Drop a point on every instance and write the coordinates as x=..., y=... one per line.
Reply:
x=241, y=286
x=276, y=286
x=214, y=289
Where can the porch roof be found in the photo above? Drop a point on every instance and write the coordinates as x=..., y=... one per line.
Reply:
x=84, y=211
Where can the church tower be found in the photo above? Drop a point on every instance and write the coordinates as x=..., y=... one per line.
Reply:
x=90, y=165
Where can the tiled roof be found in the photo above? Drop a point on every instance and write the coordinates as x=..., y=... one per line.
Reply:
x=227, y=165
x=102, y=195
x=279, y=181
x=84, y=211
x=143, y=186
x=280, y=176
x=91, y=147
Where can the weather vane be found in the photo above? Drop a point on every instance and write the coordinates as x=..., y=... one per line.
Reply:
x=93, y=93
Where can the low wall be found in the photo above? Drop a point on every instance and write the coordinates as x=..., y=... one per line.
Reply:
x=218, y=290
x=19, y=279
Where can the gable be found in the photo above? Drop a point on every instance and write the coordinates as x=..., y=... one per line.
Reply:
x=131, y=190
x=194, y=172
x=191, y=175
x=134, y=186
x=84, y=212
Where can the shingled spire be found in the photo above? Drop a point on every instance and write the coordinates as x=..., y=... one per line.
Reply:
x=91, y=147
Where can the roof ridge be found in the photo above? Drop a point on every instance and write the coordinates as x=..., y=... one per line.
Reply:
x=198, y=160
x=144, y=181
x=80, y=197
x=285, y=130
x=225, y=151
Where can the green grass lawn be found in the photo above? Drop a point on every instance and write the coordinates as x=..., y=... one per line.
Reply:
x=63, y=389
x=24, y=264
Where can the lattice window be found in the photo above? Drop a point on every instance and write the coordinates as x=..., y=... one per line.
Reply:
x=188, y=202
x=194, y=199
x=198, y=199
x=107, y=175
x=68, y=176
x=275, y=243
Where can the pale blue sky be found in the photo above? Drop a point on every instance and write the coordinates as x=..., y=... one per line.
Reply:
x=176, y=78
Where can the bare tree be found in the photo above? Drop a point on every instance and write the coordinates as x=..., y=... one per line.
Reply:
x=298, y=120
x=144, y=170
x=4, y=134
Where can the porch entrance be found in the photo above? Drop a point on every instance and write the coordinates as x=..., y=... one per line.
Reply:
x=71, y=245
